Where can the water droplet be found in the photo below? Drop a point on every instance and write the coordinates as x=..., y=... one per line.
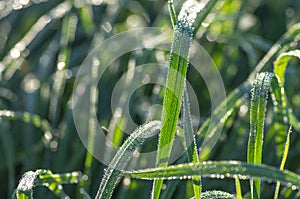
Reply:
x=106, y=27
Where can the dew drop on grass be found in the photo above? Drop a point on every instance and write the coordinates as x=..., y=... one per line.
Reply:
x=106, y=27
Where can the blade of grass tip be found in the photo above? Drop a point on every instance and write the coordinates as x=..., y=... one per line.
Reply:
x=123, y=156
x=238, y=189
x=280, y=66
x=172, y=13
x=183, y=34
x=192, y=150
x=284, y=157
x=41, y=177
x=16, y=56
x=216, y=194
x=218, y=169
x=259, y=96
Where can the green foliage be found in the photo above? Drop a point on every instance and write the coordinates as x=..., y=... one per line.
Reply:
x=42, y=45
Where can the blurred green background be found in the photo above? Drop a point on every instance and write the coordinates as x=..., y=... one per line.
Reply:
x=43, y=43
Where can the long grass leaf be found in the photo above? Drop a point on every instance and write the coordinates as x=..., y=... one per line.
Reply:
x=238, y=189
x=280, y=66
x=259, y=95
x=219, y=169
x=172, y=13
x=123, y=156
x=284, y=157
x=192, y=150
x=182, y=37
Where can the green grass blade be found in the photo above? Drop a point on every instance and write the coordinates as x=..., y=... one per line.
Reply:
x=86, y=16
x=46, y=178
x=238, y=189
x=172, y=13
x=259, y=95
x=284, y=157
x=280, y=66
x=281, y=120
x=123, y=156
x=219, y=169
x=192, y=150
x=183, y=34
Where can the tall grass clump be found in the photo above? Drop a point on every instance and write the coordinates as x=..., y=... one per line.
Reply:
x=246, y=147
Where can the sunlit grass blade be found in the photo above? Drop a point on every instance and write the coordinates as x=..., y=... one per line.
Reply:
x=259, y=96
x=172, y=13
x=182, y=37
x=123, y=156
x=192, y=150
x=280, y=66
x=238, y=189
x=219, y=169
x=46, y=178
x=86, y=16
x=284, y=157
